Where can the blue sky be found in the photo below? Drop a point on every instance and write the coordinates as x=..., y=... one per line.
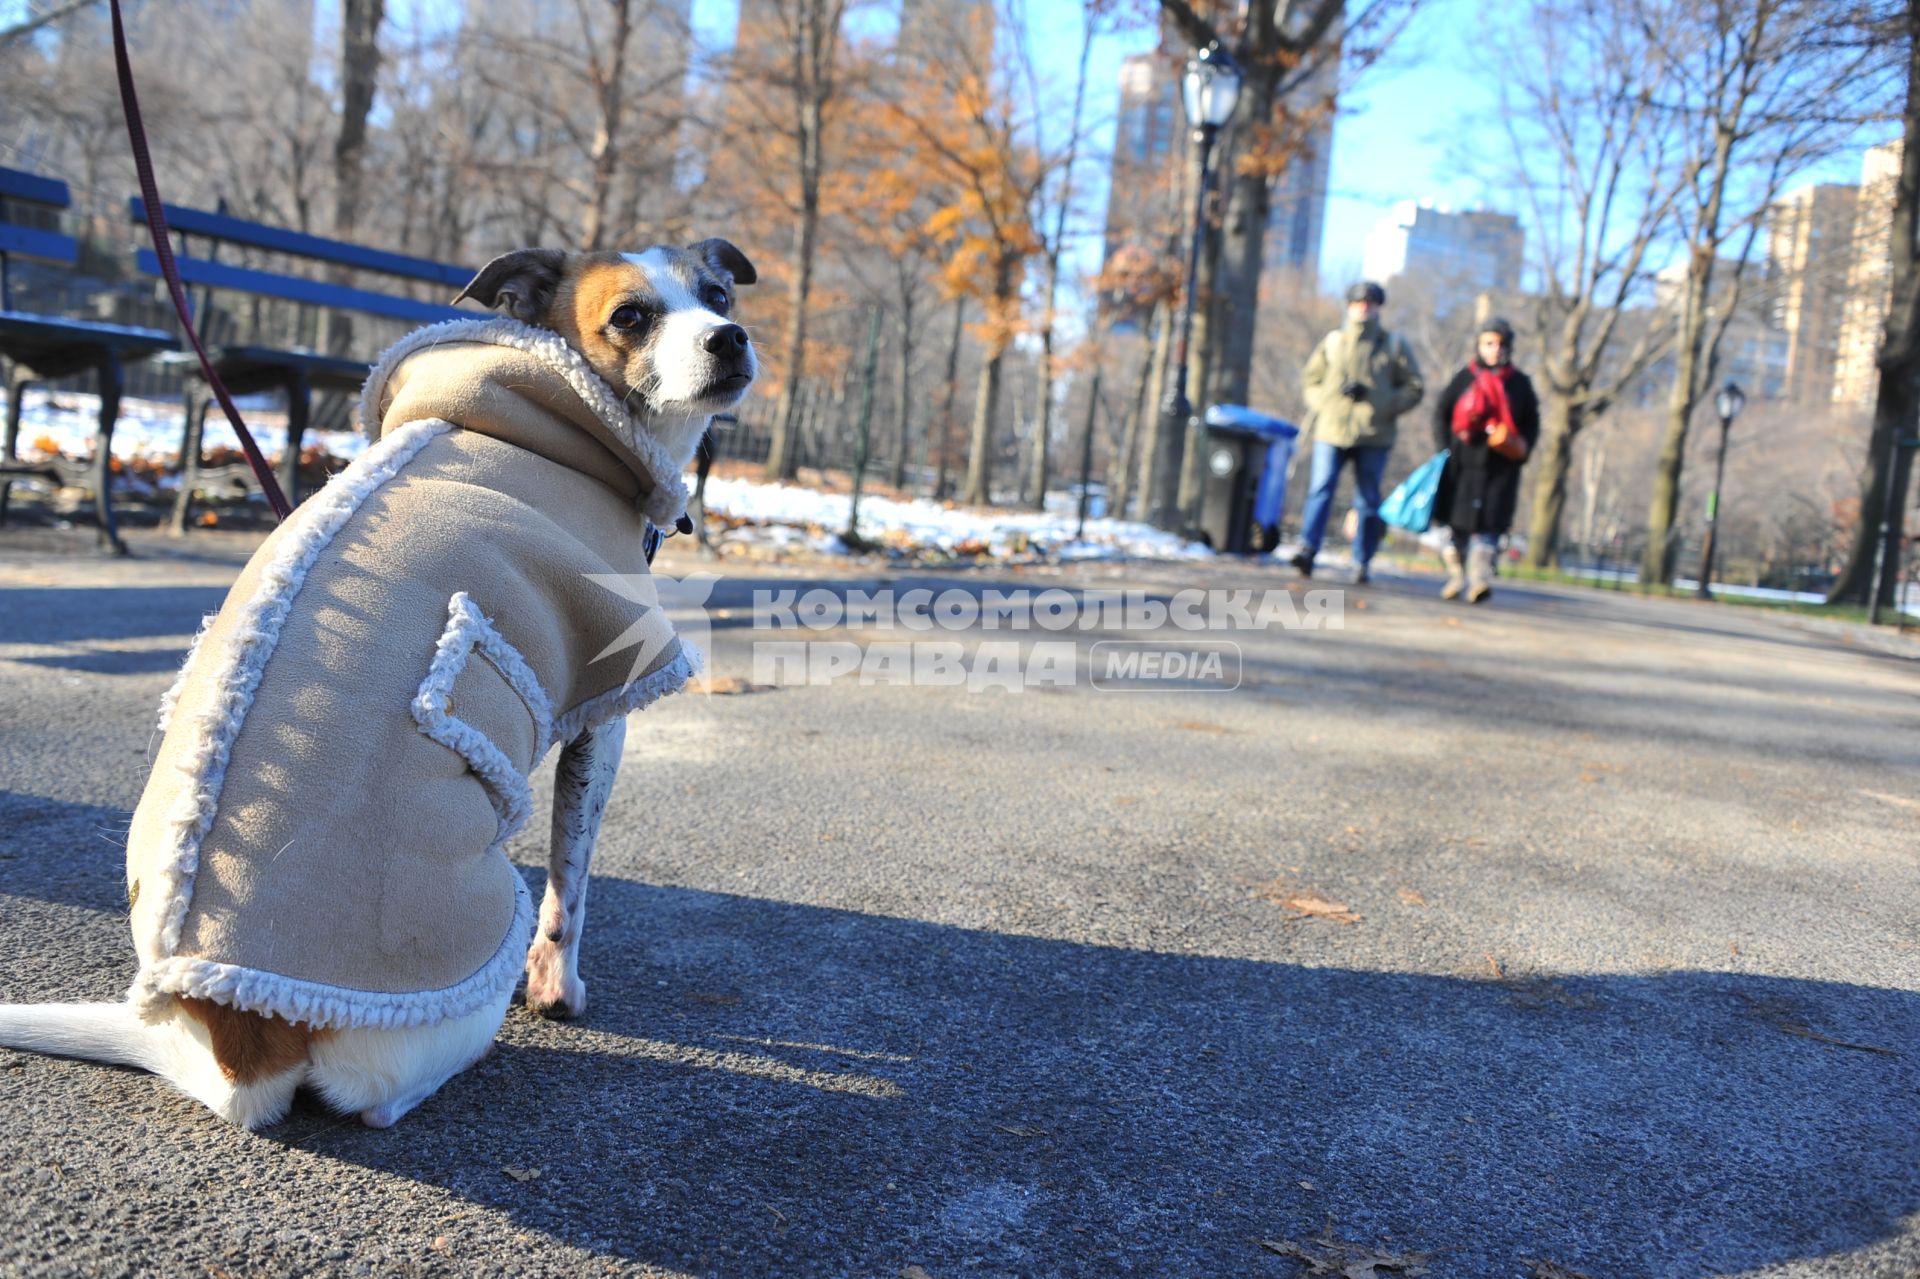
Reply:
x=1392, y=140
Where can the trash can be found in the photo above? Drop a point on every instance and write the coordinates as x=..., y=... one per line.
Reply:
x=1246, y=482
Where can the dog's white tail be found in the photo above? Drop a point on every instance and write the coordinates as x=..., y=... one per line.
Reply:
x=111, y=1033
x=175, y=1046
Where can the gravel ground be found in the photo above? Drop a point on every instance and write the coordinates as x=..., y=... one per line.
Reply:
x=919, y=982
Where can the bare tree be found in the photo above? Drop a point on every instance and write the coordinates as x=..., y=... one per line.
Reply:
x=1286, y=50
x=1896, y=408
x=786, y=76
x=1062, y=197
x=1586, y=92
x=1760, y=90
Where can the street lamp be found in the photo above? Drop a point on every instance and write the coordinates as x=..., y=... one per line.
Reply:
x=1728, y=403
x=1210, y=89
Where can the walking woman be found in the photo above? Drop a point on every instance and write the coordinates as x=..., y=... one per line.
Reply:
x=1488, y=420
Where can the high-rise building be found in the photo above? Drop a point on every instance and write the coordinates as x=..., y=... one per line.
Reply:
x=1809, y=251
x=931, y=30
x=1297, y=218
x=1464, y=253
x=1856, y=374
x=1145, y=203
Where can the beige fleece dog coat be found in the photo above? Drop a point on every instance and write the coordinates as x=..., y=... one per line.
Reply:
x=347, y=748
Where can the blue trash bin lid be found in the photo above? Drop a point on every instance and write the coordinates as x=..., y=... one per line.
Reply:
x=1238, y=417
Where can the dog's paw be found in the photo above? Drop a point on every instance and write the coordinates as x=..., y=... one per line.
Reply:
x=552, y=991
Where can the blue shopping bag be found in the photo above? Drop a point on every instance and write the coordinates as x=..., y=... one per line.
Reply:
x=1411, y=505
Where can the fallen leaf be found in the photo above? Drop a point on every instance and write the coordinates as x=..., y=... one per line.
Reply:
x=1308, y=1185
x=725, y=686
x=914, y=1272
x=439, y=1243
x=1412, y=898
x=522, y=1174
x=1202, y=726
x=1321, y=908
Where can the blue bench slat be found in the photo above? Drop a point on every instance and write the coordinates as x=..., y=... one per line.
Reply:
x=36, y=243
x=220, y=275
x=220, y=226
x=34, y=189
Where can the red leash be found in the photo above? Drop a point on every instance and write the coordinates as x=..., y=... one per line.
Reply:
x=157, y=225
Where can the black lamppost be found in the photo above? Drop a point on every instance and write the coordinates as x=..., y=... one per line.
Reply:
x=1209, y=90
x=1728, y=403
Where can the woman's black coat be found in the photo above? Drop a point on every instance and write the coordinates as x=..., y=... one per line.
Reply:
x=1481, y=488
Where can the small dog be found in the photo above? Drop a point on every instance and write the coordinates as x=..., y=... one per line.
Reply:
x=316, y=880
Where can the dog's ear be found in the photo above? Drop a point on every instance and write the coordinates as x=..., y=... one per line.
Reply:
x=521, y=283
x=722, y=256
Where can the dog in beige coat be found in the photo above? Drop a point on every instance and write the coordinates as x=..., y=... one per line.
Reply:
x=317, y=884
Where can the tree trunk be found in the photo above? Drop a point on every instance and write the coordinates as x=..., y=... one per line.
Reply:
x=359, y=78
x=1897, y=401
x=816, y=35
x=1034, y=491
x=782, y=461
x=1882, y=496
x=1160, y=490
x=1551, y=461
x=979, y=486
x=1120, y=485
x=1201, y=366
x=1242, y=254
x=943, y=463
x=604, y=156
x=1662, y=549
x=903, y=437
x=1153, y=423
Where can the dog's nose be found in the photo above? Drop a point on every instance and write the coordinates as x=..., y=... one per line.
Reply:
x=728, y=339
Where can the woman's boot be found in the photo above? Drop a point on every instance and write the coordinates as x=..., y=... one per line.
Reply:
x=1456, y=572
x=1479, y=571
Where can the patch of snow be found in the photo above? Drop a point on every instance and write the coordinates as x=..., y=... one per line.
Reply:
x=920, y=524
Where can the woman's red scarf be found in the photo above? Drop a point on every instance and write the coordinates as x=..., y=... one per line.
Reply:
x=1484, y=403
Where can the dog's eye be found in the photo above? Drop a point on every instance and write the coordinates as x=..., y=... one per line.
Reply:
x=717, y=300
x=627, y=317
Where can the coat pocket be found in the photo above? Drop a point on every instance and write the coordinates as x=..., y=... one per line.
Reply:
x=482, y=701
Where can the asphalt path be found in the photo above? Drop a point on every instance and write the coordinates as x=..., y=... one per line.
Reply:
x=1572, y=934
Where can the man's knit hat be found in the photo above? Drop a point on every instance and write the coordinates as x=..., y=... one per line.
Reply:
x=1367, y=291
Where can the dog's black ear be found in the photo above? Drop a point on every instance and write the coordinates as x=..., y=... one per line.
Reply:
x=521, y=283
x=722, y=256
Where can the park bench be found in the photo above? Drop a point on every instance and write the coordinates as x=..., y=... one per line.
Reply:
x=249, y=367
x=40, y=348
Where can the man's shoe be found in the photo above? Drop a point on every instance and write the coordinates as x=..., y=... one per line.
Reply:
x=1303, y=561
x=1360, y=575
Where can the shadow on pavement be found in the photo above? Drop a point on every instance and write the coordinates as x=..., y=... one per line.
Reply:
x=106, y=661
x=761, y=1087
x=58, y=615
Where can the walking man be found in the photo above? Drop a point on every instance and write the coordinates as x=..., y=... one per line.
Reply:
x=1359, y=381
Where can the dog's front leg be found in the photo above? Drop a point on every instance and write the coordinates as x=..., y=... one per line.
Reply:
x=581, y=785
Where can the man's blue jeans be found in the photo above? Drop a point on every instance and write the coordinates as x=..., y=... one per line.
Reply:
x=1369, y=466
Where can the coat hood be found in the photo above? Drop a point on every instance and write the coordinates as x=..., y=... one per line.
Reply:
x=525, y=386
